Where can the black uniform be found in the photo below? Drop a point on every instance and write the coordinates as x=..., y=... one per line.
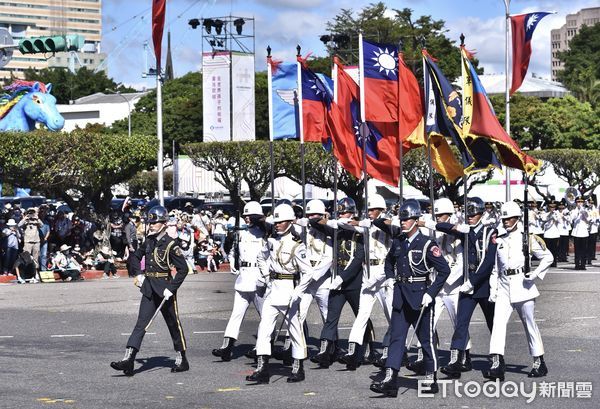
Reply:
x=351, y=256
x=162, y=252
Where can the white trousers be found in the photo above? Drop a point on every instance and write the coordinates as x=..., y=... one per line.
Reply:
x=448, y=302
x=320, y=295
x=366, y=302
x=268, y=320
x=241, y=302
x=526, y=311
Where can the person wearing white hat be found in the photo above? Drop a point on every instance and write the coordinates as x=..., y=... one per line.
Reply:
x=11, y=235
x=66, y=266
x=105, y=261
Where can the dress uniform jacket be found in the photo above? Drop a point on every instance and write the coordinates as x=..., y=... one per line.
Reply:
x=408, y=259
x=481, y=255
x=251, y=243
x=581, y=222
x=161, y=253
x=510, y=261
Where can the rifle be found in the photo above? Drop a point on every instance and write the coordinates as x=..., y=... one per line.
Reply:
x=526, y=267
x=236, y=243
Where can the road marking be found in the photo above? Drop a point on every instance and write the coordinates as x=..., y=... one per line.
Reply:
x=574, y=350
x=67, y=336
x=567, y=271
x=228, y=389
x=583, y=318
x=7, y=336
x=209, y=332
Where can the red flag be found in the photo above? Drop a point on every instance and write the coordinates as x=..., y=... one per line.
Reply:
x=522, y=27
x=158, y=25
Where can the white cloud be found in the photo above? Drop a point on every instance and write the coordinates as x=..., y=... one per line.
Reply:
x=295, y=4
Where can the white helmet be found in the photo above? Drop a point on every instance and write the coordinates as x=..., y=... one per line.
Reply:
x=376, y=202
x=283, y=213
x=252, y=208
x=510, y=209
x=443, y=206
x=315, y=206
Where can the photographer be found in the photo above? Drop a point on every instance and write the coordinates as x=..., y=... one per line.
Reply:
x=30, y=225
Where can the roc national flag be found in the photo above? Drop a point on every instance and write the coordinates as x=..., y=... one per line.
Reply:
x=316, y=101
x=380, y=78
x=480, y=121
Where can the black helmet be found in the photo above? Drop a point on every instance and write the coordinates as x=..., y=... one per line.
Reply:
x=346, y=205
x=475, y=206
x=158, y=214
x=410, y=209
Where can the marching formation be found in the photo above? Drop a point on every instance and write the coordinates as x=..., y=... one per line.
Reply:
x=413, y=263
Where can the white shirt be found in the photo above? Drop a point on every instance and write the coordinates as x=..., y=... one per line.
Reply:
x=580, y=218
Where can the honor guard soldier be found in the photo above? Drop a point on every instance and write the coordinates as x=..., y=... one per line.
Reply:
x=374, y=285
x=345, y=286
x=447, y=298
x=161, y=253
x=412, y=259
x=516, y=290
x=250, y=285
x=481, y=256
x=283, y=259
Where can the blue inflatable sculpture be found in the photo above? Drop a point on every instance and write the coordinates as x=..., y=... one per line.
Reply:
x=26, y=103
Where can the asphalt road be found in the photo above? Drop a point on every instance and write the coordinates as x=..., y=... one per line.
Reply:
x=57, y=340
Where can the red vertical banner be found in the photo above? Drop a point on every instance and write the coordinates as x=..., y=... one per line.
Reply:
x=158, y=24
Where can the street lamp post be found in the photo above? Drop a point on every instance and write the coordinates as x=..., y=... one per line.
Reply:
x=128, y=109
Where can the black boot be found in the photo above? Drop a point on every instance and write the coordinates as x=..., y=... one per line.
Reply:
x=466, y=364
x=251, y=354
x=497, y=369
x=538, y=368
x=225, y=351
x=261, y=375
x=297, y=371
x=351, y=358
x=453, y=369
x=380, y=363
x=405, y=360
x=325, y=355
x=181, y=363
x=418, y=366
x=369, y=355
x=430, y=386
x=284, y=354
x=126, y=364
x=389, y=386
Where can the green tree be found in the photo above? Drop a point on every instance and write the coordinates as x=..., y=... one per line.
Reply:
x=67, y=86
x=145, y=183
x=79, y=167
x=413, y=32
x=582, y=62
x=261, y=106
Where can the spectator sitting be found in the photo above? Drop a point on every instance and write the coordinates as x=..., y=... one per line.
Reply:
x=25, y=269
x=66, y=266
x=214, y=258
x=203, y=253
x=105, y=261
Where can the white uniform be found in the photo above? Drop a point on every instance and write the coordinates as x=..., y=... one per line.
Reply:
x=374, y=284
x=320, y=255
x=535, y=223
x=581, y=222
x=514, y=291
x=281, y=259
x=551, y=224
x=249, y=285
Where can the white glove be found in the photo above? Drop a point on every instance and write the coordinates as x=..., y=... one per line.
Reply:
x=139, y=280
x=336, y=283
x=303, y=222
x=365, y=223
x=530, y=277
x=234, y=270
x=389, y=283
x=466, y=288
x=492, y=297
x=430, y=224
x=167, y=294
x=296, y=295
x=462, y=228
x=426, y=300
x=332, y=223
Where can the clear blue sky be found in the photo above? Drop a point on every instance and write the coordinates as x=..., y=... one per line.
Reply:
x=285, y=23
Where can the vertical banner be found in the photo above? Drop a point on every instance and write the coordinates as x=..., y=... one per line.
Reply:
x=242, y=79
x=216, y=97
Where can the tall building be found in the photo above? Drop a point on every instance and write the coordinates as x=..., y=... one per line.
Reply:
x=561, y=37
x=33, y=18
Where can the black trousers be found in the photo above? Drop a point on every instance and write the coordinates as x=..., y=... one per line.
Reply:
x=563, y=248
x=552, y=245
x=336, y=302
x=169, y=312
x=580, y=244
x=466, y=307
x=591, y=247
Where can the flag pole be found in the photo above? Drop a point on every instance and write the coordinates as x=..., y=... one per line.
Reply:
x=507, y=91
x=334, y=74
x=159, y=132
x=364, y=133
x=465, y=179
x=301, y=131
x=400, y=176
x=429, y=161
x=270, y=100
